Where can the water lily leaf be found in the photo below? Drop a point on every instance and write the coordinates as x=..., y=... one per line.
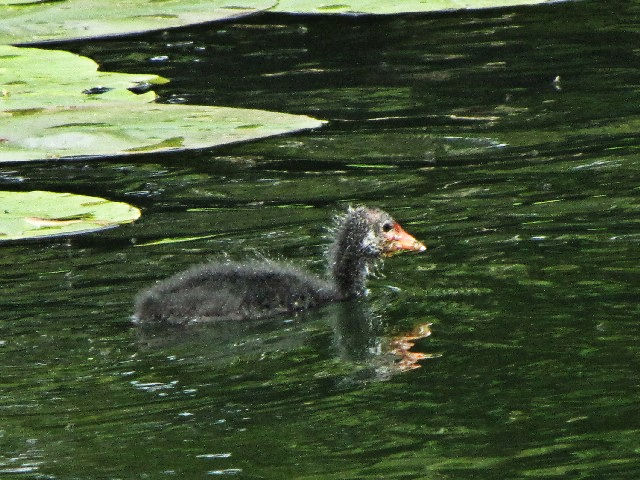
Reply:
x=37, y=21
x=25, y=215
x=55, y=104
x=32, y=22
x=388, y=7
x=137, y=128
x=36, y=78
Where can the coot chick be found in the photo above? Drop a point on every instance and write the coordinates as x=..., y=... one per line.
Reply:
x=237, y=291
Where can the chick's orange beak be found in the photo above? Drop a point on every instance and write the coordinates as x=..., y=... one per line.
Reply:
x=398, y=240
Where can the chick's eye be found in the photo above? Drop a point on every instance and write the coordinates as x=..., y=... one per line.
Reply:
x=387, y=227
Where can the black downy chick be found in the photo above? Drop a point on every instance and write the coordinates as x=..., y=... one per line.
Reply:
x=253, y=290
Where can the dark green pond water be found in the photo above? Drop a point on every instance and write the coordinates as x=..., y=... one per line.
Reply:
x=526, y=189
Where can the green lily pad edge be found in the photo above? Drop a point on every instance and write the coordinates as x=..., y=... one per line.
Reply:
x=373, y=7
x=27, y=22
x=118, y=130
x=38, y=214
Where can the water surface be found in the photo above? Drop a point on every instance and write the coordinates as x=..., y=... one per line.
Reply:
x=505, y=140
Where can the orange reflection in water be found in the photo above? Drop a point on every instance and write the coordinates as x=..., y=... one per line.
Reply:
x=401, y=345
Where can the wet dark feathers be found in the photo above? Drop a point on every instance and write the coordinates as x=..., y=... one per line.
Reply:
x=232, y=291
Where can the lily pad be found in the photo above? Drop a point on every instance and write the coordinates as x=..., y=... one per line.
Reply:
x=56, y=104
x=25, y=215
x=36, y=78
x=35, y=22
x=390, y=7
x=20, y=2
x=132, y=129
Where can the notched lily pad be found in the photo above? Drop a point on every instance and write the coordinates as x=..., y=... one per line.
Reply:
x=27, y=215
x=33, y=78
x=54, y=104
